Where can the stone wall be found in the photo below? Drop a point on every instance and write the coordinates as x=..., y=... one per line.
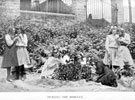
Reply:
x=42, y=16
x=79, y=9
x=11, y=8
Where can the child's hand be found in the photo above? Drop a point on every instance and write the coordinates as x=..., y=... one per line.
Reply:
x=16, y=38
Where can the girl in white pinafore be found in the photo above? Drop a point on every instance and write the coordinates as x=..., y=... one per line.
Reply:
x=123, y=56
x=22, y=53
x=111, y=47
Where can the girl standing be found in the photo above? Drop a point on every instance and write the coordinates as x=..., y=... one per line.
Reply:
x=10, y=56
x=111, y=47
x=124, y=57
x=22, y=53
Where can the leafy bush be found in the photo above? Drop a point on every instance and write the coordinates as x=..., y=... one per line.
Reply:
x=47, y=35
x=73, y=72
x=86, y=73
x=69, y=72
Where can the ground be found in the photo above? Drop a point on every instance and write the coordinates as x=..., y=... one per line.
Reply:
x=34, y=83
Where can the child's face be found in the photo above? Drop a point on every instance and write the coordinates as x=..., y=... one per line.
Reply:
x=19, y=31
x=114, y=31
x=121, y=33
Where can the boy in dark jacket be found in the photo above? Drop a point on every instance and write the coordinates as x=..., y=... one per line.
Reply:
x=106, y=75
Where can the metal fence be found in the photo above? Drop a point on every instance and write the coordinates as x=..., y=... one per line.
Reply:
x=99, y=9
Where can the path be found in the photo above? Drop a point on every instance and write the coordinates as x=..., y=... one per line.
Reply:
x=33, y=83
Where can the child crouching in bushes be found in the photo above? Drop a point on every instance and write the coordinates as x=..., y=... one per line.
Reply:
x=106, y=75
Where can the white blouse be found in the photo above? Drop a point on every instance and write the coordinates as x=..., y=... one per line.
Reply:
x=126, y=38
x=8, y=40
x=111, y=42
x=22, y=40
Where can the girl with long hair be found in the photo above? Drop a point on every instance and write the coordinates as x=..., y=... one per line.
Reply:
x=10, y=56
x=111, y=47
x=22, y=53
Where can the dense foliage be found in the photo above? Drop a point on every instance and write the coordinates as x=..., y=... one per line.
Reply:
x=43, y=36
x=73, y=72
x=59, y=33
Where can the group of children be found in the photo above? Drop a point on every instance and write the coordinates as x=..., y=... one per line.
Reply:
x=117, y=56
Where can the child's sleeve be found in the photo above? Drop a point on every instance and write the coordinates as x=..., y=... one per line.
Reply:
x=8, y=39
x=25, y=40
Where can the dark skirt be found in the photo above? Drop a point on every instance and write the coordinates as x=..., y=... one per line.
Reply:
x=9, y=57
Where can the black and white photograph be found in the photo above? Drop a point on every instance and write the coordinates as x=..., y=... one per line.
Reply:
x=67, y=46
